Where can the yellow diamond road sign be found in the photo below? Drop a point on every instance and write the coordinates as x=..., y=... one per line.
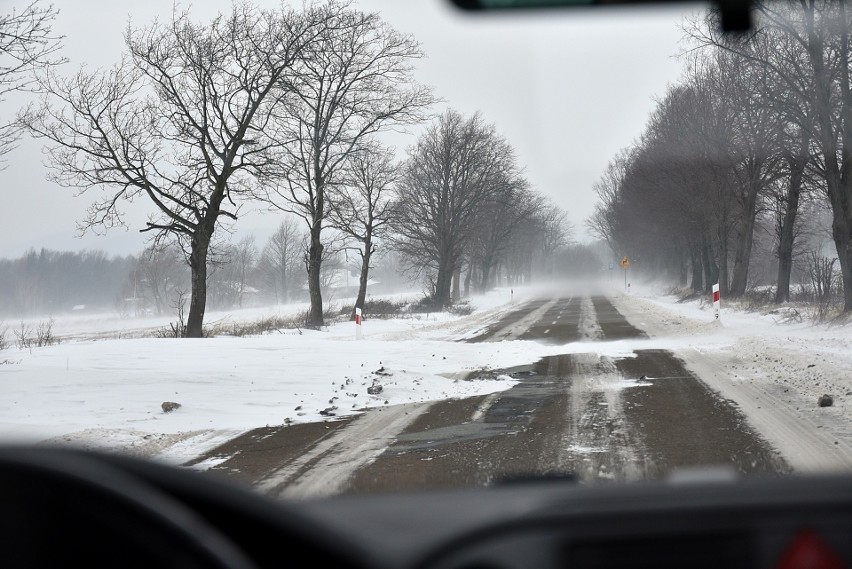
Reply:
x=625, y=263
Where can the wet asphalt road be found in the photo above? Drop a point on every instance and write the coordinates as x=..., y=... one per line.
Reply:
x=583, y=416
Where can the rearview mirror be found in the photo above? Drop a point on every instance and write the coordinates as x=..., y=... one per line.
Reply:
x=735, y=15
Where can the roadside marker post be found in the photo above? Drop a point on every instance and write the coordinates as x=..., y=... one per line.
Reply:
x=357, y=323
x=717, y=301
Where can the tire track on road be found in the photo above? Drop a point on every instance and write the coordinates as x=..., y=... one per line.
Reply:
x=517, y=323
x=582, y=414
x=326, y=467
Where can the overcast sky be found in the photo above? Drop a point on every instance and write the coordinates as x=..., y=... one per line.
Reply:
x=567, y=89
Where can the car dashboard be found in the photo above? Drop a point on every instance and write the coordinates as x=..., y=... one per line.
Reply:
x=63, y=507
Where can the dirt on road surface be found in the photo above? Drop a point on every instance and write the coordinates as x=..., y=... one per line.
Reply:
x=584, y=416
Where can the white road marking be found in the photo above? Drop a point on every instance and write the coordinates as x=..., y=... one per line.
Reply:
x=514, y=331
x=588, y=325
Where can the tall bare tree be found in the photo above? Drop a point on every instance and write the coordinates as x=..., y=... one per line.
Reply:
x=233, y=273
x=356, y=81
x=555, y=230
x=361, y=207
x=180, y=121
x=281, y=260
x=755, y=149
x=810, y=60
x=159, y=277
x=497, y=224
x=456, y=167
x=601, y=222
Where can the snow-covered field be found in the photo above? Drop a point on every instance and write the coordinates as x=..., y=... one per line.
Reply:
x=101, y=387
x=108, y=392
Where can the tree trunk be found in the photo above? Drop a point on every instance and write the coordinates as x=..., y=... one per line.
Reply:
x=315, y=316
x=282, y=266
x=791, y=208
x=742, y=255
x=365, y=271
x=457, y=284
x=683, y=267
x=697, y=270
x=842, y=206
x=841, y=227
x=720, y=272
x=443, y=283
x=841, y=230
x=467, y=277
x=484, y=275
x=837, y=175
x=198, y=298
x=285, y=287
x=841, y=224
x=711, y=271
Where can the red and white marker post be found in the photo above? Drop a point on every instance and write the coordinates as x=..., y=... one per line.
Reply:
x=357, y=323
x=717, y=301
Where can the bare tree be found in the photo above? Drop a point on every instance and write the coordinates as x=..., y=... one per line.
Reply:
x=754, y=147
x=456, y=167
x=361, y=207
x=234, y=272
x=555, y=230
x=521, y=256
x=496, y=226
x=160, y=273
x=810, y=59
x=281, y=260
x=534, y=244
x=27, y=44
x=787, y=208
x=180, y=121
x=692, y=188
x=356, y=81
x=602, y=223
x=334, y=271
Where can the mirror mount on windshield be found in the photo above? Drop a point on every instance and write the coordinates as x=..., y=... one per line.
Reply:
x=735, y=15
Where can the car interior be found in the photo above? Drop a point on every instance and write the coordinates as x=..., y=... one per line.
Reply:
x=66, y=507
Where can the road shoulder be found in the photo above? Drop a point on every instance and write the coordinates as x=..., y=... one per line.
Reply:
x=773, y=378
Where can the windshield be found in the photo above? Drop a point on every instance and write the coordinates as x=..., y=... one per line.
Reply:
x=369, y=246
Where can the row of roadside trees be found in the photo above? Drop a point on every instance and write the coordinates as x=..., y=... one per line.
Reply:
x=756, y=136
x=286, y=109
x=244, y=272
